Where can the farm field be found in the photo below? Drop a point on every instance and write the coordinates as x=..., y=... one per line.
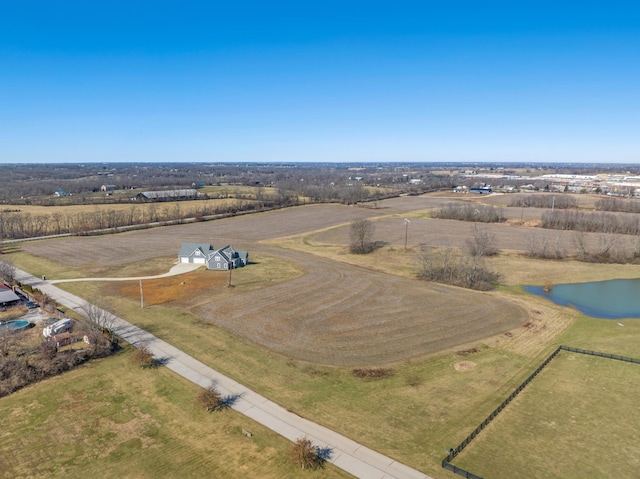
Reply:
x=554, y=428
x=112, y=419
x=408, y=414
x=127, y=208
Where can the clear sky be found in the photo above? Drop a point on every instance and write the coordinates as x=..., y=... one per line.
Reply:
x=325, y=80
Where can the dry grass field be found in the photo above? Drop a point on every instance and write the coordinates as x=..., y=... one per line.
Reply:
x=109, y=419
x=184, y=207
x=455, y=353
x=553, y=428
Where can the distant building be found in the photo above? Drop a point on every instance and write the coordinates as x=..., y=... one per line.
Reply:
x=485, y=190
x=60, y=193
x=107, y=187
x=167, y=195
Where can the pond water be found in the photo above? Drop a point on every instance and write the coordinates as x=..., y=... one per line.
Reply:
x=614, y=299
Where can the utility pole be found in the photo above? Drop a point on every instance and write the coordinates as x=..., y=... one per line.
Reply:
x=406, y=232
x=141, y=297
x=230, y=268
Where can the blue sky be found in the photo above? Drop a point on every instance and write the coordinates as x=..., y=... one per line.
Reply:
x=346, y=81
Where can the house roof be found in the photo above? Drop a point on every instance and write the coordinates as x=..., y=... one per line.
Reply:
x=187, y=249
x=7, y=295
x=228, y=253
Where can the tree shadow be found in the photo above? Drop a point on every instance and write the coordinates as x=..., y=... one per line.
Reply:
x=229, y=401
x=324, y=454
x=163, y=361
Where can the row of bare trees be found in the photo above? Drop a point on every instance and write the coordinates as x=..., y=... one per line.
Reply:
x=591, y=221
x=606, y=248
x=470, y=212
x=466, y=267
x=25, y=225
x=545, y=201
x=623, y=205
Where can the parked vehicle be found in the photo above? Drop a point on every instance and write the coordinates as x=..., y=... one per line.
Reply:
x=57, y=327
x=32, y=305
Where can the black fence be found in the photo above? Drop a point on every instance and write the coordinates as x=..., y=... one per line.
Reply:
x=454, y=452
x=601, y=355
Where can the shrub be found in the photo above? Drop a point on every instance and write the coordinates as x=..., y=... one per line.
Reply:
x=143, y=358
x=210, y=399
x=373, y=373
x=305, y=454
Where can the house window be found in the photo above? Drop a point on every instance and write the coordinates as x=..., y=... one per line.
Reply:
x=217, y=258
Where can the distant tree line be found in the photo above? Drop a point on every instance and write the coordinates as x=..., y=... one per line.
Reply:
x=589, y=221
x=627, y=205
x=25, y=225
x=561, y=202
x=469, y=212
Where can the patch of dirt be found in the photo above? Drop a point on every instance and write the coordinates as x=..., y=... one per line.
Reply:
x=463, y=366
x=465, y=352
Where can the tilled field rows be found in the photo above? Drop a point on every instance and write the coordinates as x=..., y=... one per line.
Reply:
x=335, y=313
x=341, y=314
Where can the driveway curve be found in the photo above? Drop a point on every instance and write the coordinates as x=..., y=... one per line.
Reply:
x=176, y=270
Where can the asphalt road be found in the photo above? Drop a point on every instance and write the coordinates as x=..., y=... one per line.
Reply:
x=345, y=453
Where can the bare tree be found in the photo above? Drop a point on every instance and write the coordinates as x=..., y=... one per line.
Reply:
x=99, y=320
x=482, y=243
x=360, y=234
x=7, y=271
x=143, y=357
x=210, y=399
x=305, y=454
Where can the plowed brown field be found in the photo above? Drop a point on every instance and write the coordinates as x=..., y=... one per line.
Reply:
x=335, y=313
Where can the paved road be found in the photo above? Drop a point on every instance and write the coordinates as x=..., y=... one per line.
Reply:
x=346, y=454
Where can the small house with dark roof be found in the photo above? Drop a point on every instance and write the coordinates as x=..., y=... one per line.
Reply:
x=203, y=253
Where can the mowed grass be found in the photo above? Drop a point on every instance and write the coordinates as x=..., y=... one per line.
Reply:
x=426, y=406
x=578, y=418
x=112, y=419
x=405, y=416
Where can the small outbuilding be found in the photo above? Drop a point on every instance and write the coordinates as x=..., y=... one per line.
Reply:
x=7, y=296
x=62, y=339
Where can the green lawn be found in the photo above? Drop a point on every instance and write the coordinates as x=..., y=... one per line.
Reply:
x=578, y=418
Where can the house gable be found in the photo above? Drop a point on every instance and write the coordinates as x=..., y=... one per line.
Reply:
x=194, y=252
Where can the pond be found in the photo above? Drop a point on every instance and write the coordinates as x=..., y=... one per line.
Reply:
x=614, y=299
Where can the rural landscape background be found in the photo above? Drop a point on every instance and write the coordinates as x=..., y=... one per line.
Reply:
x=390, y=197
x=361, y=342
